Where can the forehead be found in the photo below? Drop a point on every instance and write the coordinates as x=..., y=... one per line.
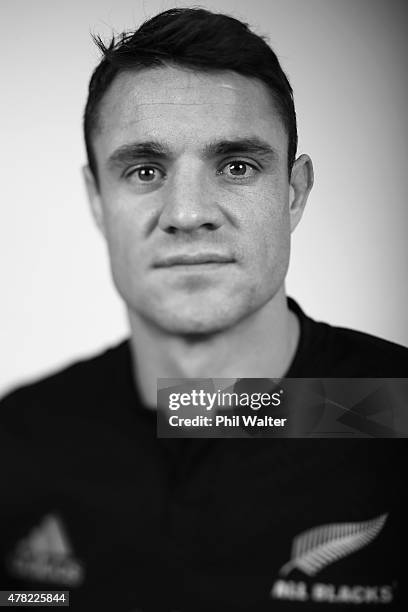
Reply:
x=186, y=108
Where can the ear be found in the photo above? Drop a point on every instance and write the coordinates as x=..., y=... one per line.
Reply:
x=94, y=198
x=300, y=184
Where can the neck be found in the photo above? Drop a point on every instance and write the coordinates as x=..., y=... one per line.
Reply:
x=261, y=346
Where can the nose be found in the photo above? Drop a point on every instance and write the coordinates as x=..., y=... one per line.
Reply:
x=190, y=201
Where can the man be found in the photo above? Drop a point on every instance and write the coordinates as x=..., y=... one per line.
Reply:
x=193, y=180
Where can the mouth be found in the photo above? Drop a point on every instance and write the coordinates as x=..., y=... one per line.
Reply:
x=195, y=259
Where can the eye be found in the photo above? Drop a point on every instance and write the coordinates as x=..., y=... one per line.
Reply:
x=238, y=169
x=145, y=174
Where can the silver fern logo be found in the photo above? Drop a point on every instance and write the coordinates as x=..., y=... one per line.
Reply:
x=312, y=550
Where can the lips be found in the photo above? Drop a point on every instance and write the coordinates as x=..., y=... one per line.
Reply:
x=191, y=259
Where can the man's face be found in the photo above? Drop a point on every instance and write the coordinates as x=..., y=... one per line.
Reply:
x=193, y=196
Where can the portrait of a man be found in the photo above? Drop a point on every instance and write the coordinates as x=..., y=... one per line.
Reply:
x=195, y=183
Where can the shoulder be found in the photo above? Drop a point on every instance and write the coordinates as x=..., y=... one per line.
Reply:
x=366, y=355
x=329, y=351
x=74, y=387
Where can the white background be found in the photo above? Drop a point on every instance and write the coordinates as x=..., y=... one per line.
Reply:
x=347, y=62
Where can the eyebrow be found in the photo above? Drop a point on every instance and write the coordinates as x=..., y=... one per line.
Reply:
x=129, y=153
x=252, y=146
x=132, y=152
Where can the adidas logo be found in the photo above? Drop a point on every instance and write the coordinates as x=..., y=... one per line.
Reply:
x=45, y=555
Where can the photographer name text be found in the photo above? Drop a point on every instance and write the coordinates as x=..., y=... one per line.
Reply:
x=227, y=421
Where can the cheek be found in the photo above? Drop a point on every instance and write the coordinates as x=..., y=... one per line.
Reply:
x=124, y=231
x=273, y=251
x=123, y=242
x=269, y=238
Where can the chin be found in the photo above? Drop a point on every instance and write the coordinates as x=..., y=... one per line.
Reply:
x=195, y=325
x=204, y=314
x=193, y=320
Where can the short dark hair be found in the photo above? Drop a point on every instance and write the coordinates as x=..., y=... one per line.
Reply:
x=192, y=38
